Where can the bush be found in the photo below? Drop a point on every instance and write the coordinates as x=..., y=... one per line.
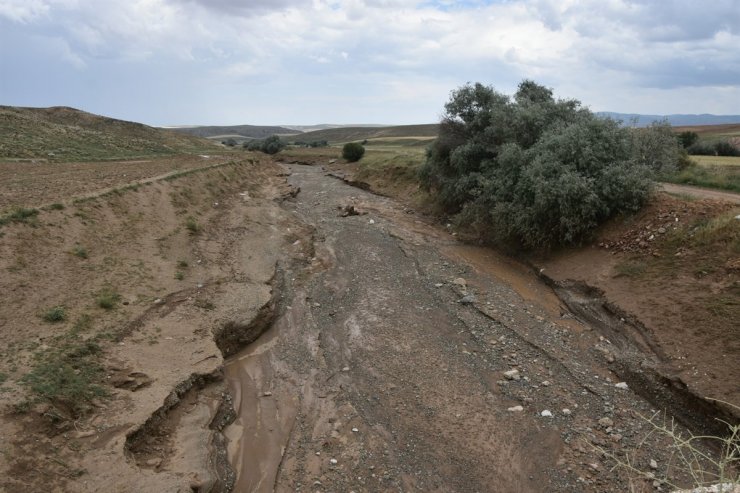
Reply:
x=107, y=299
x=253, y=145
x=353, y=151
x=701, y=149
x=687, y=139
x=272, y=145
x=537, y=170
x=55, y=314
x=724, y=148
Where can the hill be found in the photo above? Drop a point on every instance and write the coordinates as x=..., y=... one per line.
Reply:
x=235, y=131
x=675, y=120
x=346, y=134
x=68, y=134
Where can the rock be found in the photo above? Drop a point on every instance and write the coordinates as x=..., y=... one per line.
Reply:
x=606, y=422
x=346, y=368
x=516, y=409
x=332, y=461
x=546, y=414
x=468, y=299
x=566, y=412
x=371, y=221
x=460, y=282
x=349, y=210
x=355, y=430
x=266, y=394
x=438, y=285
x=653, y=464
x=661, y=230
x=546, y=383
x=616, y=437
x=512, y=374
x=621, y=385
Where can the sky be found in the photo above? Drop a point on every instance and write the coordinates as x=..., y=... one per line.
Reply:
x=302, y=62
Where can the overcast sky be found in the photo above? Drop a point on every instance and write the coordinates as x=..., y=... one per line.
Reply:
x=172, y=62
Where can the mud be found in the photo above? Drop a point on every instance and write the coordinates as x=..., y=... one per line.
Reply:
x=373, y=377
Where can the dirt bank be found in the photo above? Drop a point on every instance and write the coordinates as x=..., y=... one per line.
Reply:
x=114, y=315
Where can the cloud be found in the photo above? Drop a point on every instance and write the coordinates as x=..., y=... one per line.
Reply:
x=404, y=51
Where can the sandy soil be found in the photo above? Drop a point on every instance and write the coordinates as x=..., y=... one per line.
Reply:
x=701, y=193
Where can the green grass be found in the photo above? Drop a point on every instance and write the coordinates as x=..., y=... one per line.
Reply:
x=723, y=177
x=351, y=134
x=56, y=206
x=179, y=275
x=107, y=299
x=717, y=160
x=19, y=215
x=80, y=252
x=54, y=314
x=191, y=224
x=68, y=375
x=630, y=268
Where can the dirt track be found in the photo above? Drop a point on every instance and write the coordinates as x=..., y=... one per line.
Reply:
x=375, y=377
x=700, y=193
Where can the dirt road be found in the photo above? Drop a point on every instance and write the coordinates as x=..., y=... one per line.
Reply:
x=700, y=193
x=400, y=360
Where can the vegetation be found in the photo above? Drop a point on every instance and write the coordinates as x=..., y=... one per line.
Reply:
x=271, y=145
x=353, y=151
x=719, y=148
x=55, y=314
x=79, y=251
x=687, y=138
x=192, y=225
x=67, y=375
x=537, y=170
x=107, y=298
x=19, y=215
x=67, y=134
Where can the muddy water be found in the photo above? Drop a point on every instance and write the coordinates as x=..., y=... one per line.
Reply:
x=375, y=378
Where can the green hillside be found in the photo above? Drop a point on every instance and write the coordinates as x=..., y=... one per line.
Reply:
x=236, y=131
x=67, y=134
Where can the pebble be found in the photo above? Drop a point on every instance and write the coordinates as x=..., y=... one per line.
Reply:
x=606, y=422
x=333, y=461
x=467, y=299
x=653, y=464
x=346, y=368
x=566, y=411
x=546, y=383
x=516, y=409
x=621, y=385
x=355, y=430
x=546, y=414
x=371, y=221
x=438, y=285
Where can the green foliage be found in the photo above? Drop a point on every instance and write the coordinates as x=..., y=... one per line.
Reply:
x=107, y=298
x=724, y=148
x=54, y=314
x=192, y=225
x=229, y=142
x=720, y=148
x=68, y=374
x=353, y=151
x=272, y=145
x=537, y=170
x=253, y=145
x=179, y=275
x=719, y=177
x=687, y=138
x=79, y=251
x=19, y=215
x=56, y=206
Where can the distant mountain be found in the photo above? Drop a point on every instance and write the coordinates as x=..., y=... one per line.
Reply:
x=67, y=134
x=326, y=126
x=235, y=131
x=675, y=120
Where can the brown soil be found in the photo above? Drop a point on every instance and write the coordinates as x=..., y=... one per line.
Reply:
x=270, y=340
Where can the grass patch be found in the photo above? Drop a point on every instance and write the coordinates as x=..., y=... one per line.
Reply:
x=54, y=314
x=107, y=299
x=182, y=264
x=630, y=268
x=19, y=215
x=192, y=225
x=56, y=207
x=179, y=275
x=68, y=375
x=79, y=251
x=712, y=176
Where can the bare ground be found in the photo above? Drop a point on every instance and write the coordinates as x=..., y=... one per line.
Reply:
x=374, y=371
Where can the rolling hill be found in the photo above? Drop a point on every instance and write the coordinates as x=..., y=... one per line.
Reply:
x=68, y=134
x=675, y=120
x=235, y=131
x=346, y=134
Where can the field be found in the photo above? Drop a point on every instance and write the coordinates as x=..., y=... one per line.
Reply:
x=350, y=134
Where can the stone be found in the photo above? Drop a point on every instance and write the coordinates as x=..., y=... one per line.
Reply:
x=438, y=285
x=516, y=409
x=460, y=282
x=512, y=374
x=567, y=412
x=371, y=221
x=653, y=464
x=333, y=461
x=621, y=385
x=546, y=414
x=606, y=422
x=468, y=299
x=355, y=430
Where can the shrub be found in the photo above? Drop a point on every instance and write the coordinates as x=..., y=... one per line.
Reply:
x=55, y=314
x=687, y=139
x=701, y=149
x=724, y=148
x=229, y=142
x=79, y=251
x=536, y=170
x=353, y=151
x=192, y=225
x=19, y=215
x=107, y=299
x=272, y=145
x=56, y=206
x=253, y=145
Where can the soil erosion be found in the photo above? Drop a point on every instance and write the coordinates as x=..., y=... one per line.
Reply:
x=401, y=360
